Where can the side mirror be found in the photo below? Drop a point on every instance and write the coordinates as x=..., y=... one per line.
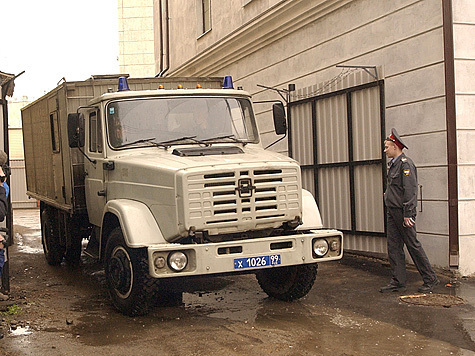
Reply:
x=280, y=123
x=76, y=130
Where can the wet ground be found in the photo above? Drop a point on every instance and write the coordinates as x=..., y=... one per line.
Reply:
x=58, y=311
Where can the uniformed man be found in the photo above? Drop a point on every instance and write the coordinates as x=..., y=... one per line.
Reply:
x=401, y=203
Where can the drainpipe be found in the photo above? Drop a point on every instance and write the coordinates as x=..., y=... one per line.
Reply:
x=450, y=113
x=164, y=36
x=161, y=36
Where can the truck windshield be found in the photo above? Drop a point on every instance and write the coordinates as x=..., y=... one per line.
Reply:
x=133, y=122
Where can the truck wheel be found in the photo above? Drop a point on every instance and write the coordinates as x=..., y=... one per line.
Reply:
x=73, y=253
x=50, y=239
x=130, y=286
x=287, y=283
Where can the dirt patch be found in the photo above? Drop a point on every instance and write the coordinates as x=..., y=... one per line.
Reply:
x=433, y=299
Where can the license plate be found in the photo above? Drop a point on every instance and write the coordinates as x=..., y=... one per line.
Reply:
x=256, y=262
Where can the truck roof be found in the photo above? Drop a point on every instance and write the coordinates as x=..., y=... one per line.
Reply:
x=79, y=93
x=169, y=92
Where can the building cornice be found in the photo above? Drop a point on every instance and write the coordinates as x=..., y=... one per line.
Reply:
x=277, y=22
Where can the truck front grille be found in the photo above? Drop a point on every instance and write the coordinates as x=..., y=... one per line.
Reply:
x=242, y=199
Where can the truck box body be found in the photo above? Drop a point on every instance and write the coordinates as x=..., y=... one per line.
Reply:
x=55, y=172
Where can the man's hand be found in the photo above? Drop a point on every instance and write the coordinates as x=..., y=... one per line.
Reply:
x=409, y=222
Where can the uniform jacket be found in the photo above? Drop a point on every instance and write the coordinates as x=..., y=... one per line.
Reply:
x=401, y=191
x=3, y=203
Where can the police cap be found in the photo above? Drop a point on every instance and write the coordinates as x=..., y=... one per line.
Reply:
x=394, y=137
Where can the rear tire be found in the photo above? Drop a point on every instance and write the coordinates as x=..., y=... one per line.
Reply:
x=287, y=283
x=50, y=237
x=130, y=286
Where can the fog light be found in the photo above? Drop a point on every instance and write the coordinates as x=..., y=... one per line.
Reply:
x=320, y=247
x=335, y=245
x=159, y=262
x=177, y=261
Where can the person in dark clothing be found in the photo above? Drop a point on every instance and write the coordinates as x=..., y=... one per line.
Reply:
x=3, y=213
x=400, y=199
x=4, y=189
x=3, y=244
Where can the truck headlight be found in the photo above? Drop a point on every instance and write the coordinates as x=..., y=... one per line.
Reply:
x=159, y=262
x=177, y=261
x=335, y=245
x=320, y=247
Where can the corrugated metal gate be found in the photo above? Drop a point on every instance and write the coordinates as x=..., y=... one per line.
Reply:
x=18, y=186
x=338, y=139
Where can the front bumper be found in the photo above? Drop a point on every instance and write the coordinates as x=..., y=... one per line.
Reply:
x=213, y=258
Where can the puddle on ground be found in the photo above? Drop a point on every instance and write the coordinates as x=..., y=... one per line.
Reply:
x=26, y=246
x=101, y=324
x=20, y=331
x=226, y=305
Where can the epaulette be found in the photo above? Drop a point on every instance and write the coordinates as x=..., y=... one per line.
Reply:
x=404, y=159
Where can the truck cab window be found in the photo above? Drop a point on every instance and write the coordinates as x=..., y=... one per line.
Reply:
x=95, y=133
x=100, y=144
x=165, y=119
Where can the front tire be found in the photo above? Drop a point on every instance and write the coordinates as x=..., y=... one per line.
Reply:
x=130, y=286
x=50, y=237
x=287, y=283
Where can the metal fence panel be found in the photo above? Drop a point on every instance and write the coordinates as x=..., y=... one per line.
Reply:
x=334, y=197
x=18, y=186
x=332, y=130
x=302, y=128
x=369, y=199
x=366, y=124
x=308, y=180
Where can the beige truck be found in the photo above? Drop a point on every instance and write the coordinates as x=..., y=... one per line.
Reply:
x=166, y=179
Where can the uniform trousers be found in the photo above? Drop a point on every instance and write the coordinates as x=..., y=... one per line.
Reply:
x=398, y=236
x=2, y=261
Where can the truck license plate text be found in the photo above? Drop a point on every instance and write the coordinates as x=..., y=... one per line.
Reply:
x=256, y=262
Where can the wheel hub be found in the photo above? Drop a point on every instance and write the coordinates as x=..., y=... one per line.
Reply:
x=120, y=272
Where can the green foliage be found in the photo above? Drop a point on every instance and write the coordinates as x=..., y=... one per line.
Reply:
x=12, y=310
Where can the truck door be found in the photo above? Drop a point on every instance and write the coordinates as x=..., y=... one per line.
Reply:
x=95, y=179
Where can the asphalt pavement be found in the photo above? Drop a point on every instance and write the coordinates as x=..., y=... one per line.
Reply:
x=58, y=311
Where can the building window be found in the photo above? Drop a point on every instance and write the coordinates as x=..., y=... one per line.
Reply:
x=206, y=15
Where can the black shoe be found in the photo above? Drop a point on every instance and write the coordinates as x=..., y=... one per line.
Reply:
x=391, y=287
x=428, y=287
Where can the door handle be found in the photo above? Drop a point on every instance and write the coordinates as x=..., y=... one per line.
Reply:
x=101, y=193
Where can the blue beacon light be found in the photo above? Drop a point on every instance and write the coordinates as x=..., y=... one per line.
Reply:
x=228, y=82
x=123, y=85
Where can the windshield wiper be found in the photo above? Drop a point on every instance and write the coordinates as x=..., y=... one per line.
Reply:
x=192, y=138
x=232, y=137
x=142, y=140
